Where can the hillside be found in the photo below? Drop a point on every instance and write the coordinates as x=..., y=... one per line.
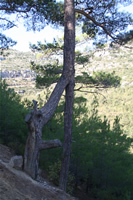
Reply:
x=112, y=102
x=16, y=185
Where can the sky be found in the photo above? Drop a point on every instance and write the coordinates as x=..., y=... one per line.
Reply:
x=23, y=37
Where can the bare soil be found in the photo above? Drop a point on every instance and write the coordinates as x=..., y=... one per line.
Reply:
x=17, y=185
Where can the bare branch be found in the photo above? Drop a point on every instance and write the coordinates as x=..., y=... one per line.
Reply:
x=128, y=47
x=1, y=18
x=95, y=22
x=97, y=92
x=93, y=86
x=16, y=10
x=50, y=144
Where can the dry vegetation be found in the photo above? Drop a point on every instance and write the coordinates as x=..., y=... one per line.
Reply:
x=112, y=102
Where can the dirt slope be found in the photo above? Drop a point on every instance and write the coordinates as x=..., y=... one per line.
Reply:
x=16, y=185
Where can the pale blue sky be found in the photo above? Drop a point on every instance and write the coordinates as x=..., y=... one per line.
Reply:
x=23, y=37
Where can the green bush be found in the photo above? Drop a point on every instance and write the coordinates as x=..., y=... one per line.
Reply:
x=13, y=130
x=101, y=157
x=54, y=174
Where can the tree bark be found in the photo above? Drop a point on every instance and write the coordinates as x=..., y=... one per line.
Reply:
x=69, y=56
x=38, y=118
x=35, y=122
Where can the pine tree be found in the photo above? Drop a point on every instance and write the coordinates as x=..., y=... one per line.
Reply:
x=99, y=18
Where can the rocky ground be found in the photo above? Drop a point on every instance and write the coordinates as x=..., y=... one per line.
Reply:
x=17, y=185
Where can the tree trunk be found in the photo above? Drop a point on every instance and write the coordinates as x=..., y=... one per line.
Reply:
x=38, y=118
x=35, y=122
x=31, y=156
x=69, y=56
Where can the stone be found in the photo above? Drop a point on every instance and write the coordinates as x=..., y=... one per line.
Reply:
x=16, y=162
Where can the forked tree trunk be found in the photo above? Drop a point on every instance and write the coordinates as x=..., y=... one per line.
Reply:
x=38, y=118
x=33, y=147
x=69, y=56
x=35, y=122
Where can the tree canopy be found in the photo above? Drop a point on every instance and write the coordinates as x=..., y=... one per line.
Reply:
x=35, y=14
x=96, y=17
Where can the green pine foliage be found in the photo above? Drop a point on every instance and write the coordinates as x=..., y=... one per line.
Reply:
x=47, y=74
x=101, y=162
x=13, y=130
x=101, y=157
x=99, y=79
x=50, y=72
x=54, y=174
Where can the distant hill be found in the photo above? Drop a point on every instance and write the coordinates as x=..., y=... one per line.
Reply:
x=112, y=102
